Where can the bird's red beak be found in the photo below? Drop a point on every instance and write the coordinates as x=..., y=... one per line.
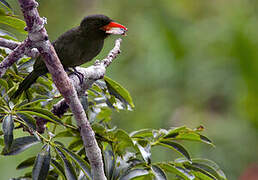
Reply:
x=115, y=28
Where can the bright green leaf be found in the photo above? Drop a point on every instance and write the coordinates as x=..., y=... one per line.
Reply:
x=1, y=142
x=4, y=84
x=5, y=8
x=14, y=23
x=118, y=91
x=123, y=141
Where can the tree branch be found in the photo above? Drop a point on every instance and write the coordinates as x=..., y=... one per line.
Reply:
x=91, y=74
x=39, y=39
x=17, y=53
x=34, y=53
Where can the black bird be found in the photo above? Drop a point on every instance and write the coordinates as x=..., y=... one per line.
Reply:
x=76, y=46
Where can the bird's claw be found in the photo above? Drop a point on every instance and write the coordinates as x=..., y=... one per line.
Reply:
x=79, y=75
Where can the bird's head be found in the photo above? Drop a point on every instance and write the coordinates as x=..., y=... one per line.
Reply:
x=101, y=25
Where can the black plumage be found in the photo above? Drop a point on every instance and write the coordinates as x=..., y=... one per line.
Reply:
x=75, y=47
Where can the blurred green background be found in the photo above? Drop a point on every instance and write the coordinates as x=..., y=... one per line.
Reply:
x=185, y=62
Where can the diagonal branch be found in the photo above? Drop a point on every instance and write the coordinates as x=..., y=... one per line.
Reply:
x=39, y=39
x=91, y=74
x=17, y=53
x=14, y=44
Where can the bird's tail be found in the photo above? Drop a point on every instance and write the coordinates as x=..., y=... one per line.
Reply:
x=27, y=82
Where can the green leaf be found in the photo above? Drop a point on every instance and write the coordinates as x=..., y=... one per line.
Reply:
x=27, y=163
x=6, y=36
x=4, y=84
x=199, y=172
x=201, y=176
x=45, y=82
x=175, y=146
x=7, y=128
x=210, y=167
x=145, y=152
x=69, y=170
x=67, y=133
x=85, y=167
x=44, y=113
x=184, y=133
x=5, y=3
x=31, y=103
x=1, y=142
x=4, y=6
x=109, y=162
x=134, y=173
x=28, y=119
x=76, y=143
x=119, y=91
x=14, y=23
x=142, y=133
x=42, y=164
x=123, y=141
x=20, y=144
x=205, y=139
x=183, y=173
x=58, y=167
x=158, y=173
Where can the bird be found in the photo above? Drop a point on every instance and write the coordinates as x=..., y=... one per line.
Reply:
x=76, y=46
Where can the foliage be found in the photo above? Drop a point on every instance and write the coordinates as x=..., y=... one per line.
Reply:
x=126, y=156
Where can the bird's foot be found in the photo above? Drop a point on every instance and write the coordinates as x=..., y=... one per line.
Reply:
x=79, y=75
